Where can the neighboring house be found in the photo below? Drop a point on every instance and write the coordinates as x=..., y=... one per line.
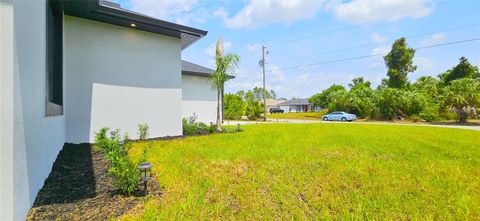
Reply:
x=271, y=103
x=197, y=96
x=71, y=67
x=297, y=105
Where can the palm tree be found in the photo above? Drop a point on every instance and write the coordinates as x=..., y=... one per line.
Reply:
x=225, y=70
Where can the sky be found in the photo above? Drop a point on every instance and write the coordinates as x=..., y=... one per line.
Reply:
x=313, y=44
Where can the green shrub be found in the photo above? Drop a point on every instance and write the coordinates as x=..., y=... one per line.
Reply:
x=124, y=172
x=188, y=128
x=143, y=131
x=234, y=106
x=192, y=127
x=101, y=140
x=212, y=128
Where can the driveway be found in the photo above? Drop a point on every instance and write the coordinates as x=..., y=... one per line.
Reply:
x=272, y=121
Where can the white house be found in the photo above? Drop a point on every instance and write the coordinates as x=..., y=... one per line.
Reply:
x=197, y=96
x=70, y=67
x=297, y=105
x=272, y=103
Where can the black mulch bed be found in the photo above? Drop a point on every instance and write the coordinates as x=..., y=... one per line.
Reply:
x=79, y=188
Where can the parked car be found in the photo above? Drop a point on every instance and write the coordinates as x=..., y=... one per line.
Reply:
x=341, y=116
x=275, y=110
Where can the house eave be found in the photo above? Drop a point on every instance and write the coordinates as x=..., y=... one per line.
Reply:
x=93, y=10
x=196, y=74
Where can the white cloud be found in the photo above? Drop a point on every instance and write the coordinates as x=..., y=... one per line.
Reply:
x=434, y=39
x=221, y=13
x=166, y=9
x=357, y=11
x=276, y=75
x=178, y=11
x=210, y=50
x=254, y=48
x=375, y=64
x=424, y=64
x=380, y=50
x=257, y=13
x=377, y=61
x=378, y=38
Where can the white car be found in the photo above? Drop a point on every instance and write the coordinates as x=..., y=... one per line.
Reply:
x=340, y=116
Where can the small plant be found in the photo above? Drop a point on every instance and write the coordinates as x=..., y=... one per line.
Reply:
x=212, y=128
x=188, y=127
x=101, y=139
x=192, y=127
x=143, y=131
x=124, y=172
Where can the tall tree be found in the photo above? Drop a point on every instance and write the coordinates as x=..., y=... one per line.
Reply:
x=399, y=62
x=241, y=93
x=258, y=93
x=462, y=70
x=359, y=81
x=226, y=66
x=326, y=97
x=273, y=94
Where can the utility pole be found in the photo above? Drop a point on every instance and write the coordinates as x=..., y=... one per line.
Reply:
x=264, y=91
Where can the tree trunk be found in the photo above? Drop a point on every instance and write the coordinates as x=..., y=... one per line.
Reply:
x=219, y=120
x=462, y=114
x=223, y=104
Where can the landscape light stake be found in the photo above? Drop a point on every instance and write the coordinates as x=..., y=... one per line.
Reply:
x=145, y=167
x=238, y=126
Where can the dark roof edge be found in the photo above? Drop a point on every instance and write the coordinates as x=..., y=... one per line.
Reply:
x=97, y=10
x=195, y=74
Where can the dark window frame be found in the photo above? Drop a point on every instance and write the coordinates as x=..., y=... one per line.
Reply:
x=54, y=58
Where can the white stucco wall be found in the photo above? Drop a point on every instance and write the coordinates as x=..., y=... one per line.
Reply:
x=198, y=97
x=6, y=109
x=119, y=77
x=286, y=109
x=34, y=139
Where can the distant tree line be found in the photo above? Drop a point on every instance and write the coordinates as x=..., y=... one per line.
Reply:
x=249, y=103
x=453, y=94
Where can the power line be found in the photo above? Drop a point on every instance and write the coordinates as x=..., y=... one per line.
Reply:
x=373, y=55
x=367, y=45
x=248, y=77
x=347, y=27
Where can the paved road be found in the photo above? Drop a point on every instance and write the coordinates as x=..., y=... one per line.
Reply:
x=272, y=121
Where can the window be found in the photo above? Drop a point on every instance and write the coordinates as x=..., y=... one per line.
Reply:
x=54, y=58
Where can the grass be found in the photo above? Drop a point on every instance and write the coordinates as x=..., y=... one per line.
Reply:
x=317, y=171
x=298, y=116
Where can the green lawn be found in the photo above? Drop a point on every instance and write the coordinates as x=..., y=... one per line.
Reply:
x=298, y=116
x=317, y=171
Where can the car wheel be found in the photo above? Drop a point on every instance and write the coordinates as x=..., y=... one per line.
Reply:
x=325, y=118
x=344, y=119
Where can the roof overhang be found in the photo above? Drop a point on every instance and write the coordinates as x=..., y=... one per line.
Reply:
x=195, y=74
x=103, y=11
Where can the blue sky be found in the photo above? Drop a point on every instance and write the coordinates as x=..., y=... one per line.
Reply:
x=317, y=27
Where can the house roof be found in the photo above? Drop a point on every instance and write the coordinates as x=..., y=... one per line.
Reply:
x=272, y=102
x=190, y=68
x=112, y=13
x=295, y=101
